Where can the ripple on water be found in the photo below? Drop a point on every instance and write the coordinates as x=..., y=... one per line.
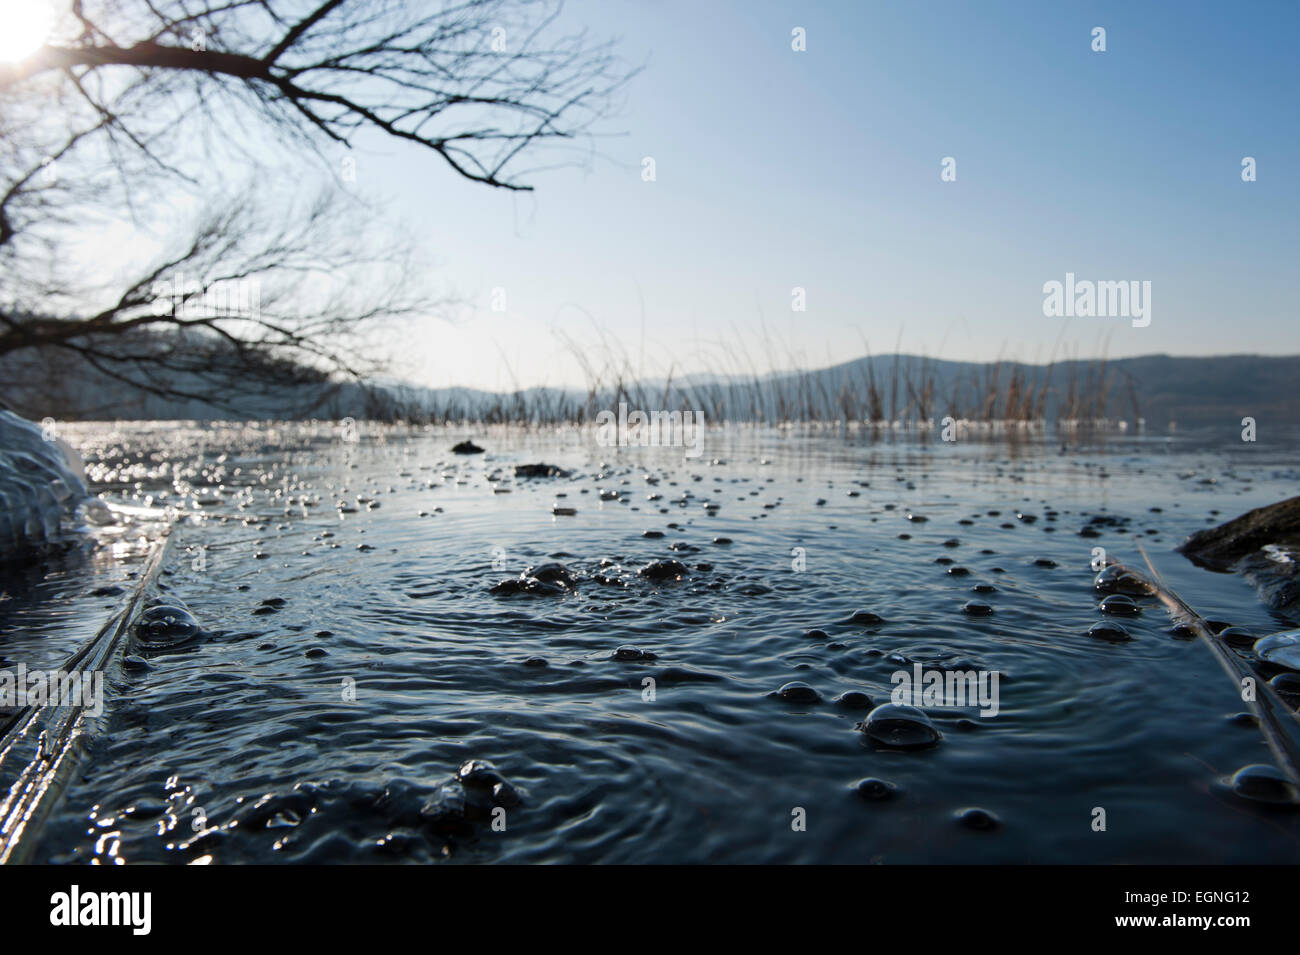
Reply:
x=614, y=774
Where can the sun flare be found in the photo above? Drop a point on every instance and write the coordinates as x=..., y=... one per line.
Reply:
x=25, y=25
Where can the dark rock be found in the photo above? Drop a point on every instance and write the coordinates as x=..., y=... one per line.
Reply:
x=900, y=727
x=1263, y=783
x=1118, y=580
x=539, y=471
x=866, y=618
x=165, y=625
x=478, y=772
x=504, y=794
x=855, y=699
x=1109, y=630
x=445, y=809
x=796, y=692
x=664, y=570
x=551, y=573
x=877, y=790
x=466, y=447
x=529, y=585
x=1261, y=545
x=1287, y=686
x=981, y=820
x=135, y=664
x=1237, y=637
x=1120, y=605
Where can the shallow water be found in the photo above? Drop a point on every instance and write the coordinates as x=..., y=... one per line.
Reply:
x=356, y=654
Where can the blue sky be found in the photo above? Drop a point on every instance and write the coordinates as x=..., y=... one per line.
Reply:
x=821, y=169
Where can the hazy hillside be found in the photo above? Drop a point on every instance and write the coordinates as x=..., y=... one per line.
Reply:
x=1159, y=388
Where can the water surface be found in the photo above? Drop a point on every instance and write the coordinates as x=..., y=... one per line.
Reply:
x=357, y=655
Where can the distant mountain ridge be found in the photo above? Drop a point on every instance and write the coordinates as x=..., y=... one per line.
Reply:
x=1158, y=388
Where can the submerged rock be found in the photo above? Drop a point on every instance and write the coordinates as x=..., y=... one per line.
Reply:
x=466, y=447
x=900, y=727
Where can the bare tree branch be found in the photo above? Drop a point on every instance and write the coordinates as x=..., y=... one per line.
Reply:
x=113, y=104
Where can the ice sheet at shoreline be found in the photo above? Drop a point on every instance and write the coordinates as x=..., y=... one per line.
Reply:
x=40, y=484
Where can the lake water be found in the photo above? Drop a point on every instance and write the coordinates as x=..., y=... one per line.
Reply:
x=356, y=654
